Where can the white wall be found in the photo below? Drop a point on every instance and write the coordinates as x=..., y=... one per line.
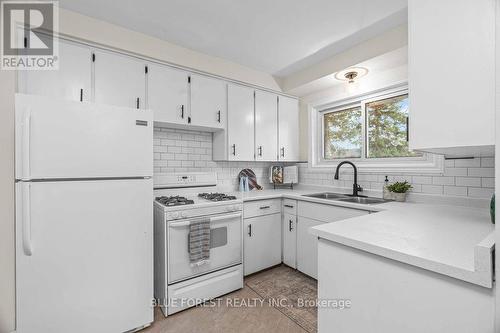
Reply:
x=7, y=258
x=497, y=159
x=87, y=29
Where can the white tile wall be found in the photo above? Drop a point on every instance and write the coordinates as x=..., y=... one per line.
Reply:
x=466, y=178
x=177, y=150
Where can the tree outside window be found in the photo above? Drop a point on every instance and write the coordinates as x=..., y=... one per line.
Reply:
x=387, y=132
x=342, y=133
x=386, y=122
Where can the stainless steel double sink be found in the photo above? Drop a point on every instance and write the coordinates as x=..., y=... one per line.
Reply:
x=347, y=198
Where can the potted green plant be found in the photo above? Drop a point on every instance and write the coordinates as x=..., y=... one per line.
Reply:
x=397, y=191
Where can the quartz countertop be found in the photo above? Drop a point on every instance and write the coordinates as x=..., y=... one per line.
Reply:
x=452, y=240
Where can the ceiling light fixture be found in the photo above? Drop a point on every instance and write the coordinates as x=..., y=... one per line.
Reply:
x=350, y=76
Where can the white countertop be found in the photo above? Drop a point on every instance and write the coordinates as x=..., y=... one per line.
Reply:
x=452, y=240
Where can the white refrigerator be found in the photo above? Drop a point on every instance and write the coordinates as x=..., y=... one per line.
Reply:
x=84, y=248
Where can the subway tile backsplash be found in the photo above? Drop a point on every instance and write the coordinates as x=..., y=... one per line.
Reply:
x=465, y=178
x=177, y=150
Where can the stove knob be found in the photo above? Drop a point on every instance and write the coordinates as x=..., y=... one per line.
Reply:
x=169, y=216
x=175, y=215
x=183, y=215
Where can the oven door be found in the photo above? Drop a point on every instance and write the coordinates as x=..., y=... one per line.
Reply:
x=225, y=246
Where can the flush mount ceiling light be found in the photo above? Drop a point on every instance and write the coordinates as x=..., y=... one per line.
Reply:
x=351, y=74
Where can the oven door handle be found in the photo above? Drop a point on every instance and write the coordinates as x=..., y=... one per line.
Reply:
x=225, y=217
x=212, y=219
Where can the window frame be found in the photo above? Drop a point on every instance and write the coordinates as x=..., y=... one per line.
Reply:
x=425, y=163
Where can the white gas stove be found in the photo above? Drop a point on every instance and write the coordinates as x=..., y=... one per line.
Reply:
x=179, y=200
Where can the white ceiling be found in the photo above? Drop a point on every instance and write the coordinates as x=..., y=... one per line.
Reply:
x=376, y=66
x=279, y=37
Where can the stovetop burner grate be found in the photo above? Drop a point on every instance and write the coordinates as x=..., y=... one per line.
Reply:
x=174, y=200
x=217, y=196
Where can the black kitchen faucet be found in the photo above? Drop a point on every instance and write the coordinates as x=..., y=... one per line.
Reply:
x=355, y=187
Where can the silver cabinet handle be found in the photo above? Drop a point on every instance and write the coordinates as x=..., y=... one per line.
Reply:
x=26, y=224
x=290, y=223
x=234, y=149
x=250, y=230
x=288, y=206
x=186, y=223
x=264, y=207
x=26, y=145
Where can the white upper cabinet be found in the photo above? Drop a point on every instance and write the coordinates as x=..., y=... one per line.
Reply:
x=288, y=129
x=240, y=123
x=451, y=76
x=119, y=80
x=266, y=126
x=208, y=102
x=168, y=94
x=72, y=81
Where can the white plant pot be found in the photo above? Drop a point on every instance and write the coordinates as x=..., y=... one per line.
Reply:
x=400, y=197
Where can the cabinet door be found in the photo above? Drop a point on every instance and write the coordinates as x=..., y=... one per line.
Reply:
x=307, y=247
x=240, y=123
x=266, y=126
x=168, y=94
x=290, y=240
x=288, y=129
x=208, y=102
x=262, y=242
x=453, y=118
x=72, y=81
x=119, y=80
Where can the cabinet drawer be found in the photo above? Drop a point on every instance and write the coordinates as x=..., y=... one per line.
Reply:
x=261, y=207
x=290, y=206
x=327, y=213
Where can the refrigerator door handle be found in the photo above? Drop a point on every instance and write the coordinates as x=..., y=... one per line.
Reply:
x=26, y=216
x=26, y=144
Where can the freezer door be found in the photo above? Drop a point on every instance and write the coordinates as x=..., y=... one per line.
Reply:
x=65, y=139
x=84, y=256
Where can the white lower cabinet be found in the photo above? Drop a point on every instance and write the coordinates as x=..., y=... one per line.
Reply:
x=262, y=242
x=290, y=240
x=307, y=244
x=272, y=237
x=307, y=247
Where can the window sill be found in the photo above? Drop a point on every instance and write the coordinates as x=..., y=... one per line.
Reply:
x=429, y=164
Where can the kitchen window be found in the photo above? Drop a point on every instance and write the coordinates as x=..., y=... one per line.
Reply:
x=372, y=130
x=342, y=133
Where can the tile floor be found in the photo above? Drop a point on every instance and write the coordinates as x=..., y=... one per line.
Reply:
x=272, y=305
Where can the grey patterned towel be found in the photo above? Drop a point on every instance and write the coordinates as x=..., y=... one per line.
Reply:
x=199, y=241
